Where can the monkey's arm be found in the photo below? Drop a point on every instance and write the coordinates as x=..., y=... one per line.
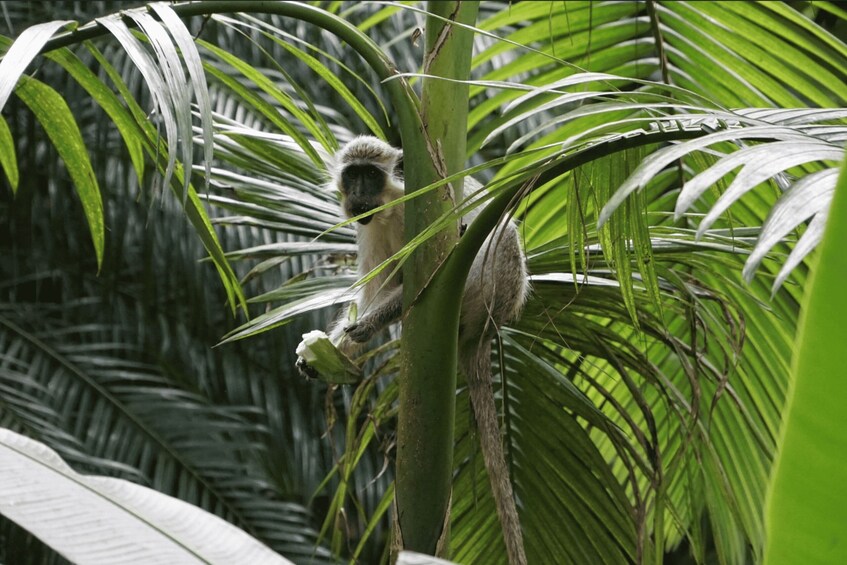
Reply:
x=388, y=310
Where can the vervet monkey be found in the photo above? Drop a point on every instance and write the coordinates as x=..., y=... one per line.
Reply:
x=367, y=174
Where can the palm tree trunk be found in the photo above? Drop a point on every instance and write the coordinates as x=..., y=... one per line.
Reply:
x=430, y=329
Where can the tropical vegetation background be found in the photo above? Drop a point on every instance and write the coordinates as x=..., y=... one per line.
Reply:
x=643, y=389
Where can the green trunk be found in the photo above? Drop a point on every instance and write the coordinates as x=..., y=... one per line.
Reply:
x=430, y=328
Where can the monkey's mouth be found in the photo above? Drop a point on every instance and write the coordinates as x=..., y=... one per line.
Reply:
x=367, y=219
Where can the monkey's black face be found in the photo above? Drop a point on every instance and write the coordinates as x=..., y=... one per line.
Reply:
x=362, y=187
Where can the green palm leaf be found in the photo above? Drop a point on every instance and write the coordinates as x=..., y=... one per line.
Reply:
x=145, y=426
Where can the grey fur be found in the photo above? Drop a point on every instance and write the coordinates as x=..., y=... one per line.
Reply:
x=494, y=294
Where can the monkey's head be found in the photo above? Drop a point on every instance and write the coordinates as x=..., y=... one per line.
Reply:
x=365, y=171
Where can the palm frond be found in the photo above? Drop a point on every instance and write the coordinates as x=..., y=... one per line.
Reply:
x=144, y=425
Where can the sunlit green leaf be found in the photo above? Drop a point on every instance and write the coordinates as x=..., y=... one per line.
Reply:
x=807, y=499
x=56, y=118
x=8, y=159
x=108, y=101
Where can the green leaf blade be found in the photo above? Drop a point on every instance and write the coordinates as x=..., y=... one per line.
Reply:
x=807, y=506
x=55, y=116
x=8, y=159
x=107, y=100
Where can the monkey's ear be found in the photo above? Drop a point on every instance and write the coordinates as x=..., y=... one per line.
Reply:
x=398, y=164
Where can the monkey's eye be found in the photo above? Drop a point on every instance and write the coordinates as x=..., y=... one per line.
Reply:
x=372, y=172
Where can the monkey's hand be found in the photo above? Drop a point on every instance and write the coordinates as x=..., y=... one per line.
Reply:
x=386, y=312
x=361, y=331
x=306, y=371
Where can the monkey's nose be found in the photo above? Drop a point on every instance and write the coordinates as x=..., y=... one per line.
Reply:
x=366, y=220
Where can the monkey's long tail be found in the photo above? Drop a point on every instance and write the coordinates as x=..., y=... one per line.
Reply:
x=477, y=369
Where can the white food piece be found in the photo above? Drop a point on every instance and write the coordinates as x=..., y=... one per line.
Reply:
x=309, y=339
